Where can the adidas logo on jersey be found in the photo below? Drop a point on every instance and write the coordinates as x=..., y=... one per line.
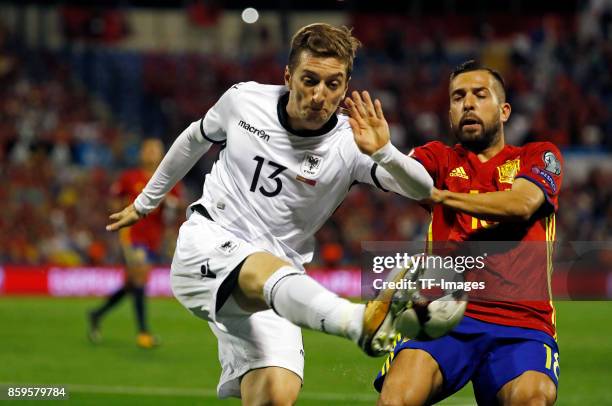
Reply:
x=255, y=131
x=459, y=172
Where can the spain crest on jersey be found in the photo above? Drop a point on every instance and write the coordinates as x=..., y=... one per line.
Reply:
x=508, y=170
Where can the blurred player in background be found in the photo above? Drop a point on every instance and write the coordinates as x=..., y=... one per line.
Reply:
x=141, y=244
x=486, y=190
x=288, y=163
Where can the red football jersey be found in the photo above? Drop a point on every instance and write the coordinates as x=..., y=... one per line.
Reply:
x=520, y=270
x=148, y=231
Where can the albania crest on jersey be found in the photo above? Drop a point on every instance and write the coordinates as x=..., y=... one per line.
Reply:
x=311, y=165
x=508, y=170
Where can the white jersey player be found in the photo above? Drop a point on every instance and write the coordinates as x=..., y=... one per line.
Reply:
x=288, y=163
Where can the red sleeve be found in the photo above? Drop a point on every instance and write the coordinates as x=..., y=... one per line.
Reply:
x=429, y=155
x=177, y=190
x=118, y=188
x=542, y=164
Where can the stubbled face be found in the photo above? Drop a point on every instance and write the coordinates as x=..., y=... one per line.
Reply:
x=476, y=112
x=151, y=153
x=317, y=85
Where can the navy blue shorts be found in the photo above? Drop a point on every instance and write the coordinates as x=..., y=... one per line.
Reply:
x=490, y=355
x=136, y=254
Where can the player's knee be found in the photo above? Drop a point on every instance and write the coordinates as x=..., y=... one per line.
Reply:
x=250, y=283
x=388, y=400
x=533, y=397
x=137, y=281
x=413, y=379
x=408, y=396
x=256, y=269
x=537, y=391
x=137, y=275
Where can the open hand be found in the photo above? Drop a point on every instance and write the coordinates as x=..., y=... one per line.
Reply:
x=370, y=129
x=124, y=218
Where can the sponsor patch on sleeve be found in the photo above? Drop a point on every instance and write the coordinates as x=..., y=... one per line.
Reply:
x=546, y=176
x=551, y=163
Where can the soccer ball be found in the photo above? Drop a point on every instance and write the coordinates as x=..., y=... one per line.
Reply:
x=434, y=307
x=425, y=319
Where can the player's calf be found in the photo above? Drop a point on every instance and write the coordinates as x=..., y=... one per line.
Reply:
x=303, y=301
x=414, y=378
x=266, y=281
x=530, y=389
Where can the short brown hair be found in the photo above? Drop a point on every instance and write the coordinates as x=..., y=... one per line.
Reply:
x=324, y=40
x=472, y=65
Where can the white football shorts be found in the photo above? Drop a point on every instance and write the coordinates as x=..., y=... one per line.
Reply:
x=202, y=278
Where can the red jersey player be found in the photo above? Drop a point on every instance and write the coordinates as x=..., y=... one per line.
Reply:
x=484, y=190
x=140, y=244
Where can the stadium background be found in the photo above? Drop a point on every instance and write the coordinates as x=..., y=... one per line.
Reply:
x=82, y=83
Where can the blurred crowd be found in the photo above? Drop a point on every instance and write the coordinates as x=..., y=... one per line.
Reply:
x=558, y=74
x=66, y=128
x=59, y=153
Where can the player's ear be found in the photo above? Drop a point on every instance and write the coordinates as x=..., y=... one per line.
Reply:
x=505, y=112
x=287, y=76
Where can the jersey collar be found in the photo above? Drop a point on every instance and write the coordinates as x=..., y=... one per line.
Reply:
x=501, y=155
x=283, y=117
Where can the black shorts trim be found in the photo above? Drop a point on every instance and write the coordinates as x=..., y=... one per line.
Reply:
x=227, y=286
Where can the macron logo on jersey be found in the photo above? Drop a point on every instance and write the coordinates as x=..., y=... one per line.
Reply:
x=255, y=131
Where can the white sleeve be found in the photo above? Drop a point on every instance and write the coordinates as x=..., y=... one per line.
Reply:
x=186, y=150
x=214, y=124
x=401, y=173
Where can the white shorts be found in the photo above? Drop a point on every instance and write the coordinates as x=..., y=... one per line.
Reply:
x=202, y=280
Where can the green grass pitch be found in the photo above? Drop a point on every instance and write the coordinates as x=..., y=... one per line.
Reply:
x=42, y=341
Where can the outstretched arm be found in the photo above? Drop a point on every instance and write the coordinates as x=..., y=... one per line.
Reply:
x=401, y=173
x=516, y=204
x=186, y=150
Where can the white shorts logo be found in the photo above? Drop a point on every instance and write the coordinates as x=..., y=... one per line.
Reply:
x=227, y=247
x=311, y=165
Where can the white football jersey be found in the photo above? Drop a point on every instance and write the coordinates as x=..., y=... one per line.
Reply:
x=273, y=186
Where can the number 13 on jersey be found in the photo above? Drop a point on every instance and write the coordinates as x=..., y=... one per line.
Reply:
x=278, y=168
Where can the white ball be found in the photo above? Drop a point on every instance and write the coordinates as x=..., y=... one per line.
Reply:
x=429, y=320
x=250, y=15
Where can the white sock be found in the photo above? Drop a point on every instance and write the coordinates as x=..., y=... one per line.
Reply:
x=303, y=301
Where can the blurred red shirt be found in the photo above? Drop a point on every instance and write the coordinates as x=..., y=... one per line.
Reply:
x=149, y=230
